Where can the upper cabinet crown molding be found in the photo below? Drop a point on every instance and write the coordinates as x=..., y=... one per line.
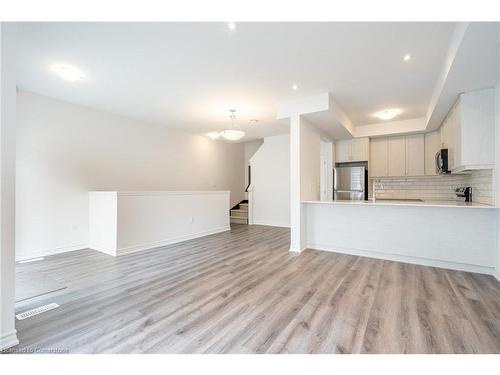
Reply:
x=350, y=150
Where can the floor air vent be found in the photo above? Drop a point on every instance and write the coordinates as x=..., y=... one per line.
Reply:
x=38, y=310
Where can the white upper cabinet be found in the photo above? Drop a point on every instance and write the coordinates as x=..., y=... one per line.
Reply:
x=342, y=151
x=378, y=157
x=352, y=150
x=397, y=156
x=396, y=147
x=415, y=155
x=468, y=131
x=432, y=146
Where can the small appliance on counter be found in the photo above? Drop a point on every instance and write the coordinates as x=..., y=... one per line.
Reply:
x=350, y=181
x=442, y=161
x=464, y=192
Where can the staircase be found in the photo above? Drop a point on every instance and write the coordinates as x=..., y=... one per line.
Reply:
x=239, y=213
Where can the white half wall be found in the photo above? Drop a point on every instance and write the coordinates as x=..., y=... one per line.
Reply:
x=126, y=222
x=66, y=150
x=270, y=198
x=450, y=237
x=103, y=221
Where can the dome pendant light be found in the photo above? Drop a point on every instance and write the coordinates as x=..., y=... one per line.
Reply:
x=235, y=133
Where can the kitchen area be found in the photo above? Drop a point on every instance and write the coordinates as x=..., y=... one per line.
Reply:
x=423, y=198
x=448, y=166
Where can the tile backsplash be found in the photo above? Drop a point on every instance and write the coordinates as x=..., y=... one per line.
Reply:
x=435, y=187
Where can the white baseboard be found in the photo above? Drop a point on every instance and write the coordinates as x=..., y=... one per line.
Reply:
x=271, y=224
x=168, y=241
x=51, y=251
x=496, y=274
x=406, y=259
x=8, y=340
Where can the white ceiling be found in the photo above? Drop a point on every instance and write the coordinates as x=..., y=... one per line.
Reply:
x=188, y=75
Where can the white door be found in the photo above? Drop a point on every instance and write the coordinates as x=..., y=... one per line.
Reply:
x=415, y=158
x=378, y=157
x=396, y=151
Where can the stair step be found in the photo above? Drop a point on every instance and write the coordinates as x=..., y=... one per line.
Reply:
x=238, y=220
x=239, y=213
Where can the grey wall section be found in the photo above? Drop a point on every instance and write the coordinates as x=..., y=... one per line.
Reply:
x=65, y=150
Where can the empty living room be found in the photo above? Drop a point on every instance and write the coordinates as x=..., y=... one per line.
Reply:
x=212, y=180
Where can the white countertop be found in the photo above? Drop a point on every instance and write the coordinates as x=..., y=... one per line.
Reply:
x=412, y=203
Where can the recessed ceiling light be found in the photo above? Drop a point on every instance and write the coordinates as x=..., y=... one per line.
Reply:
x=407, y=57
x=231, y=25
x=295, y=87
x=213, y=135
x=67, y=72
x=387, y=114
x=254, y=121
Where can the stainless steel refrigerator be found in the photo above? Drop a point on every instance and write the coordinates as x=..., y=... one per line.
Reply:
x=350, y=181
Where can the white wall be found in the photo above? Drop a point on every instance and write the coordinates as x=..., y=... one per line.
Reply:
x=8, y=337
x=326, y=170
x=271, y=182
x=250, y=149
x=66, y=150
x=310, y=151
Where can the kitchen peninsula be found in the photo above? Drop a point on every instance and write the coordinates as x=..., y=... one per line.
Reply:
x=433, y=233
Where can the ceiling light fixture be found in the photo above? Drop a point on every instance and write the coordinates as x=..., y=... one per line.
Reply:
x=387, y=114
x=407, y=57
x=295, y=87
x=254, y=121
x=234, y=133
x=67, y=72
x=231, y=25
x=213, y=135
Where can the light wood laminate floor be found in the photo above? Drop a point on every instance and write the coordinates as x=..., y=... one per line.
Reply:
x=242, y=292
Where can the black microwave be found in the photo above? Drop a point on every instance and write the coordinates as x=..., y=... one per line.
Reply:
x=442, y=161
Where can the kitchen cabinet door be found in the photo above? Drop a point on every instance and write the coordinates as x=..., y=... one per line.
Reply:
x=360, y=149
x=432, y=146
x=378, y=157
x=453, y=128
x=415, y=158
x=396, y=148
x=342, y=151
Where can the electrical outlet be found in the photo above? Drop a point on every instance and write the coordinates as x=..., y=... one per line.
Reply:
x=74, y=228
